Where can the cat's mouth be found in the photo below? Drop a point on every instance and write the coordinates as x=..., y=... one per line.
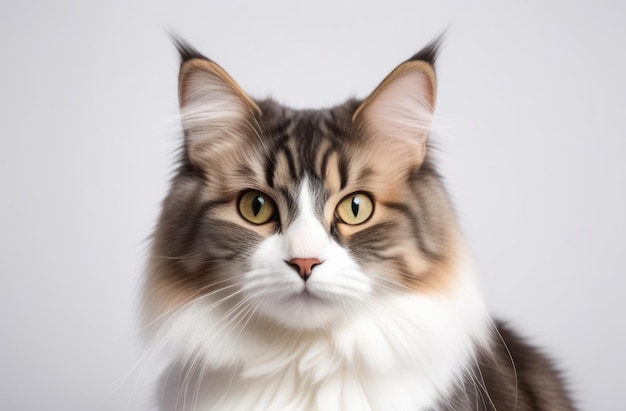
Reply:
x=306, y=295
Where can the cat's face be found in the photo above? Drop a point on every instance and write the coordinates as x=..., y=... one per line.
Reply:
x=302, y=217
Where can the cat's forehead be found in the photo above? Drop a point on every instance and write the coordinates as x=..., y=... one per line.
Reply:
x=305, y=142
x=309, y=125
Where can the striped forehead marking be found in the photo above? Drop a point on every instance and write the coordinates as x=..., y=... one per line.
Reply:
x=304, y=151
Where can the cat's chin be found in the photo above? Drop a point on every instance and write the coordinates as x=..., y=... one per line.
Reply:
x=304, y=311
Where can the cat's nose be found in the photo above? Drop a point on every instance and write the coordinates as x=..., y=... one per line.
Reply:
x=303, y=266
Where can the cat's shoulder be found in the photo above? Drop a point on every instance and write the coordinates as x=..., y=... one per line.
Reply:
x=512, y=374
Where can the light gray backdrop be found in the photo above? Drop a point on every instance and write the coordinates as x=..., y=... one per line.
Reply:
x=530, y=123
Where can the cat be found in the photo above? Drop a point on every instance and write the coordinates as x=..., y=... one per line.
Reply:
x=311, y=260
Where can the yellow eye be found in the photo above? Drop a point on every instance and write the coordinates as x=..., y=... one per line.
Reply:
x=355, y=208
x=256, y=207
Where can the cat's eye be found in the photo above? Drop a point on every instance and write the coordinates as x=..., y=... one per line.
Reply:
x=256, y=207
x=355, y=209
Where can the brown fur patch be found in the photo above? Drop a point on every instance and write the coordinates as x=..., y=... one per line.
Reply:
x=333, y=179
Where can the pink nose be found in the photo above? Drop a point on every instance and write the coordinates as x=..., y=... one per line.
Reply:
x=303, y=266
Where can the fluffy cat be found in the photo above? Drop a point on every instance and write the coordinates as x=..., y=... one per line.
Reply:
x=311, y=260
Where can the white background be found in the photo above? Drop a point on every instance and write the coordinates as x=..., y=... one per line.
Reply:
x=529, y=122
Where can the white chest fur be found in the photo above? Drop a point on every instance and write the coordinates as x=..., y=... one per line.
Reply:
x=405, y=354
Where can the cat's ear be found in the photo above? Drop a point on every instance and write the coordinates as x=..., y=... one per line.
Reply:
x=215, y=111
x=401, y=108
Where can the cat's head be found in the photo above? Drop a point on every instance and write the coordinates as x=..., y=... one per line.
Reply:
x=302, y=218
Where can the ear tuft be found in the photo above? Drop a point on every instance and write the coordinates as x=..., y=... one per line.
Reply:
x=185, y=50
x=430, y=53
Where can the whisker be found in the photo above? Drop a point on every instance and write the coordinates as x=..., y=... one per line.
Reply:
x=197, y=295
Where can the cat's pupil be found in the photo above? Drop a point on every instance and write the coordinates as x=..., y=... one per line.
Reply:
x=257, y=204
x=355, y=206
